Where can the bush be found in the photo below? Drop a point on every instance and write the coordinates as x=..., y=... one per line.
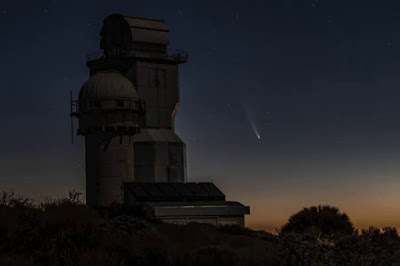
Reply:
x=65, y=232
x=12, y=200
x=319, y=220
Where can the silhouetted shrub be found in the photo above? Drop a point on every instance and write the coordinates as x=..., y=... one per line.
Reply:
x=65, y=232
x=205, y=256
x=127, y=225
x=116, y=209
x=74, y=199
x=319, y=220
x=234, y=229
x=10, y=199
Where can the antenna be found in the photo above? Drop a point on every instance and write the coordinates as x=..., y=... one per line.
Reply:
x=72, y=121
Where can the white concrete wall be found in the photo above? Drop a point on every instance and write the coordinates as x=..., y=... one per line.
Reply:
x=218, y=221
x=109, y=163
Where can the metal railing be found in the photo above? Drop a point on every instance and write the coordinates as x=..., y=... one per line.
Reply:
x=176, y=52
x=107, y=105
x=131, y=119
x=148, y=52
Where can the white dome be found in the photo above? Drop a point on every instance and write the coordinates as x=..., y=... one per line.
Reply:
x=110, y=84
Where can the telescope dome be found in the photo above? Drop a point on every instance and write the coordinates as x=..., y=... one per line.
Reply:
x=109, y=84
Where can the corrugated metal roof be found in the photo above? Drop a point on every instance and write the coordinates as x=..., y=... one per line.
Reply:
x=198, y=189
x=150, y=192
x=145, y=23
x=149, y=36
x=148, y=30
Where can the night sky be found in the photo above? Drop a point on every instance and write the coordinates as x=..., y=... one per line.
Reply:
x=318, y=80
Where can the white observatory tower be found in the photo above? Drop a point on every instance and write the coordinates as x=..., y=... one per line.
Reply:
x=109, y=113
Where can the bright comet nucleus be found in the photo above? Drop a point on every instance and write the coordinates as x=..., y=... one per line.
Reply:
x=254, y=128
x=251, y=120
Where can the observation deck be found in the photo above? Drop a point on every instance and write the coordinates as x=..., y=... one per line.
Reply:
x=179, y=56
x=125, y=115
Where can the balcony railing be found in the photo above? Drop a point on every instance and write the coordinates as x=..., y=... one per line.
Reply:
x=107, y=105
x=169, y=53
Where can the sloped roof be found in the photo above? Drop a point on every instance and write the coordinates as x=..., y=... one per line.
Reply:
x=149, y=192
x=146, y=23
x=121, y=32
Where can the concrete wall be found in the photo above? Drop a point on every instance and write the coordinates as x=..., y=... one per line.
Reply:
x=159, y=161
x=109, y=163
x=158, y=85
x=217, y=215
x=192, y=211
x=214, y=220
x=231, y=220
x=160, y=156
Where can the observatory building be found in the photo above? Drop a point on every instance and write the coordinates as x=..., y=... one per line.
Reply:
x=126, y=113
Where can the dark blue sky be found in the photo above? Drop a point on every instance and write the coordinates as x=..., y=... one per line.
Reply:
x=318, y=79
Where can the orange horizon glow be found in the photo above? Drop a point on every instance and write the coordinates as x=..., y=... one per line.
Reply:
x=362, y=218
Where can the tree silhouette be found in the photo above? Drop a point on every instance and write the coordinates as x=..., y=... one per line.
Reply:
x=319, y=220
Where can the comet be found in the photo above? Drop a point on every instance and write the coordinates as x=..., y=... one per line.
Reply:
x=251, y=121
x=254, y=128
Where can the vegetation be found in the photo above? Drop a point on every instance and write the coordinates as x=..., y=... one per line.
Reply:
x=66, y=232
x=319, y=220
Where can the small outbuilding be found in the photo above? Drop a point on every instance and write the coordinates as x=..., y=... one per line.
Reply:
x=182, y=203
